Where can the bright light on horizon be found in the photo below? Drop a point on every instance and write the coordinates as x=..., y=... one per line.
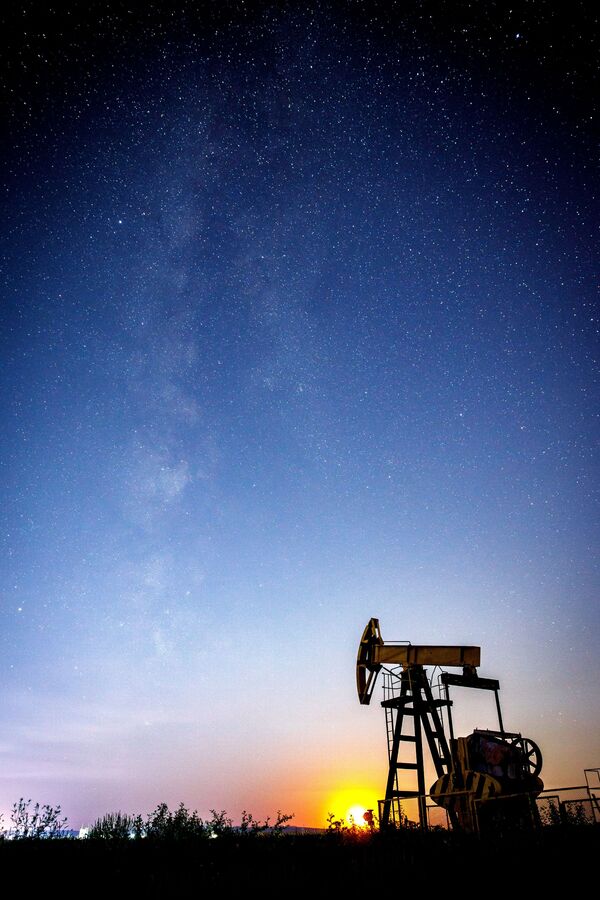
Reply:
x=351, y=803
x=355, y=813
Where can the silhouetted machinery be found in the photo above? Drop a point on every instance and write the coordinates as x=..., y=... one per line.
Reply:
x=471, y=771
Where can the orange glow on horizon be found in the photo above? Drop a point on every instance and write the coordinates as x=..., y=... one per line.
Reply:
x=355, y=814
x=349, y=804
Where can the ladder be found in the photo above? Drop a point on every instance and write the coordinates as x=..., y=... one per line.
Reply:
x=414, y=701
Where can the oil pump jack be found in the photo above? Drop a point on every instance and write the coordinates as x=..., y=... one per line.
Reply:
x=471, y=771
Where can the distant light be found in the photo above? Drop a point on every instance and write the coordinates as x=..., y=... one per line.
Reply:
x=356, y=813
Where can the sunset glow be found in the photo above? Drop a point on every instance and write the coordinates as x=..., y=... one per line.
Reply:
x=351, y=803
x=355, y=814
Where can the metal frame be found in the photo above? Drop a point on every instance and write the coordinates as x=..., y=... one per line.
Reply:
x=415, y=701
x=471, y=680
x=594, y=799
x=404, y=665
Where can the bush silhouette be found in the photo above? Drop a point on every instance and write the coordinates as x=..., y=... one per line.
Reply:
x=162, y=824
x=165, y=825
x=113, y=827
x=39, y=822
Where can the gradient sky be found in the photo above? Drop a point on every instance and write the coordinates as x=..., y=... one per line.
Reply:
x=299, y=327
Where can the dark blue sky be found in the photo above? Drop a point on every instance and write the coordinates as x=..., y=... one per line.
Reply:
x=299, y=326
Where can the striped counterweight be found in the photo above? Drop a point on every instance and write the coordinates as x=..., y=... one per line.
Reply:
x=447, y=792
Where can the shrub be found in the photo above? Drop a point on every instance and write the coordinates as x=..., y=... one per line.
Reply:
x=220, y=824
x=114, y=827
x=250, y=825
x=181, y=824
x=347, y=830
x=281, y=822
x=39, y=822
x=162, y=824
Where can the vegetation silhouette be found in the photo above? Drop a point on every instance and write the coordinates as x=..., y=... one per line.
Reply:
x=38, y=822
x=182, y=825
x=170, y=851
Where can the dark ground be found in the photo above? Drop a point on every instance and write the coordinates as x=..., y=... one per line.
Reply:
x=266, y=865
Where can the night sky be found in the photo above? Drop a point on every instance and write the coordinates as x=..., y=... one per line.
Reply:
x=299, y=326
